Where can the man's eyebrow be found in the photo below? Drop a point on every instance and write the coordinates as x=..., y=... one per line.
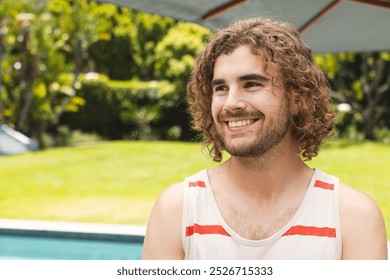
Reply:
x=217, y=82
x=247, y=77
x=256, y=77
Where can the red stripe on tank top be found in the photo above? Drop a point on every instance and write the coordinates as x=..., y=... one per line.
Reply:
x=312, y=231
x=205, y=229
x=323, y=185
x=200, y=184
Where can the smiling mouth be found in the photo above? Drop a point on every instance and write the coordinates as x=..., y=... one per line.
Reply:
x=234, y=124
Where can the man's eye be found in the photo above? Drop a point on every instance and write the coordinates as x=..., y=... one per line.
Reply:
x=252, y=84
x=220, y=88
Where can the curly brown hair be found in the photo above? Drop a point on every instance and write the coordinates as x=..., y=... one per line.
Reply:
x=305, y=83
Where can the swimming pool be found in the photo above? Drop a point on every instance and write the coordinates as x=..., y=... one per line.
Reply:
x=69, y=241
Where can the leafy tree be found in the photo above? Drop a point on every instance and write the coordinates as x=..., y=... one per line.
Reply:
x=175, y=55
x=20, y=60
x=112, y=53
x=77, y=25
x=362, y=81
x=126, y=43
x=41, y=42
x=150, y=31
x=152, y=48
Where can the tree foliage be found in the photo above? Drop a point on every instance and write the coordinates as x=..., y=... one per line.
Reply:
x=361, y=80
x=42, y=41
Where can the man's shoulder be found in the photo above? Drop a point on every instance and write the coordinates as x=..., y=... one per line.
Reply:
x=354, y=200
x=172, y=196
x=362, y=225
x=358, y=208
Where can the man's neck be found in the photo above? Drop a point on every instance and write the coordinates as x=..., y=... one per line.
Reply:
x=267, y=175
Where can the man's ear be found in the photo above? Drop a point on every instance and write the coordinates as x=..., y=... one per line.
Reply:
x=294, y=106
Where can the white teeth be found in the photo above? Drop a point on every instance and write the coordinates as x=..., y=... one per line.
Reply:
x=239, y=123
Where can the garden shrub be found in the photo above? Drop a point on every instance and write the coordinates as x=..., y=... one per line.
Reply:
x=129, y=110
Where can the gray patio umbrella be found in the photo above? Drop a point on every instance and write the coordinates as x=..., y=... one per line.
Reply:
x=325, y=25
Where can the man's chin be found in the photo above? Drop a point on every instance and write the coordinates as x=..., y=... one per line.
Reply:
x=246, y=151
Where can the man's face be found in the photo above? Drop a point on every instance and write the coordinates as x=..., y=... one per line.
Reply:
x=249, y=110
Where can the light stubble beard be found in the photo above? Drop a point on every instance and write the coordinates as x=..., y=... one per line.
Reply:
x=266, y=139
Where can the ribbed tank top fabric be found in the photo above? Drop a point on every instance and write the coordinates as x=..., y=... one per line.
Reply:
x=312, y=233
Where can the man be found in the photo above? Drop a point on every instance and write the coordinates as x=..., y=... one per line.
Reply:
x=256, y=93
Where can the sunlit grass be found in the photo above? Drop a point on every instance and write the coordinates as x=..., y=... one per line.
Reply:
x=112, y=182
x=118, y=182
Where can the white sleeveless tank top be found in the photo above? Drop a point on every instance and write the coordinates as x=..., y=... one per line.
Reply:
x=312, y=233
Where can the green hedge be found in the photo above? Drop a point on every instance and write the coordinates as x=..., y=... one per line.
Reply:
x=129, y=110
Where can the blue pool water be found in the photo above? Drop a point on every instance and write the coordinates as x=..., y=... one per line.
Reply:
x=27, y=247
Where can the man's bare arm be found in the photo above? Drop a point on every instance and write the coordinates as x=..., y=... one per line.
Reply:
x=163, y=234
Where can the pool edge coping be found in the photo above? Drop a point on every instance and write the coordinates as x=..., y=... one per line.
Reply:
x=72, y=230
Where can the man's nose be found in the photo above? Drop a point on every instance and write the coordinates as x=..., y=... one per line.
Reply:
x=235, y=100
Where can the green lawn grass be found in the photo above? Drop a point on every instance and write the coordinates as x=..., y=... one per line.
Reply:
x=111, y=182
x=118, y=182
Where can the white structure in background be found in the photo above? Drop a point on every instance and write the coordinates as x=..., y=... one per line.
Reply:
x=13, y=142
x=344, y=107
